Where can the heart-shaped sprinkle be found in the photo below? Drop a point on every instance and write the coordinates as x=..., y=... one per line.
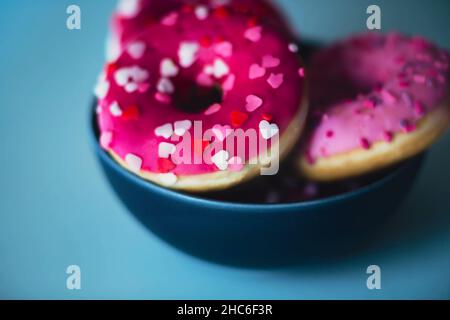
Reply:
x=253, y=103
x=131, y=113
x=136, y=49
x=253, y=34
x=165, y=165
x=301, y=72
x=267, y=116
x=181, y=127
x=131, y=87
x=143, y=87
x=218, y=69
x=213, y=109
x=270, y=61
x=106, y=139
x=168, y=68
x=166, y=149
x=268, y=130
x=276, y=80
x=165, y=86
x=163, y=98
x=102, y=88
x=225, y=49
x=164, y=131
x=128, y=8
x=256, y=71
x=293, y=47
x=201, y=12
x=167, y=179
x=115, y=109
x=238, y=118
x=170, y=19
x=187, y=53
x=204, y=80
x=221, y=132
x=133, y=162
x=228, y=84
x=235, y=164
x=220, y=159
x=388, y=97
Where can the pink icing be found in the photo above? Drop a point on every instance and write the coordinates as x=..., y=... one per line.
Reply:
x=128, y=26
x=132, y=107
x=370, y=87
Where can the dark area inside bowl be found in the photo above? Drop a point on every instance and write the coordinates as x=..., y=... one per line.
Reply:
x=286, y=186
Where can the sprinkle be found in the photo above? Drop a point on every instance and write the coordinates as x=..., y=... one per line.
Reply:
x=165, y=86
x=133, y=162
x=268, y=130
x=365, y=144
x=238, y=118
x=267, y=116
x=181, y=127
x=136, y=49
x=270, y=61
x=225, y=49
x=204, y=80
x=164, y=131
x=418, y=78
x=167, y=179
x=168, y=68
x=106, y=139
x=128, y=8
x=170, y=19
x=276, y=80
x=388, y=97
x=220, y=159
x=407, y=126
x=388, y=136
x=330, y=134
x=221, y=132
x=221, y=12
x=213, y=109
x=115, y=109
x=131, y=113
x=201, y=12
x=102, y=87
x=131, y=87
x=253, y=103
x=165, y=165
x=256, y=71
x=235, y=164
x=218, y=69
x=407, y=99
x=419, y=108
x=301, y=72
x=228, y=84
x=369, y=104
x=187, y=53
x=166, y=149
x=163, y=98
x=253, y=34
x=293, y=47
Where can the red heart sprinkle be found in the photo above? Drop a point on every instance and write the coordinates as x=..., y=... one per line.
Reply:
x=267, y=116
x=238, y=118
x=131, y=113
x=165, y=165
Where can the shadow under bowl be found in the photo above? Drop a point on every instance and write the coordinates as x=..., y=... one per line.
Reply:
x=261, y=235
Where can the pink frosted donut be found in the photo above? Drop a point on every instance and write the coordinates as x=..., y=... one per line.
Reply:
x=376, y=100
x=134, y=16
x=216, y=73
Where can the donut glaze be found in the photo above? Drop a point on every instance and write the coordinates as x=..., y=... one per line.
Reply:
x=139, y=95
x=134, y=16
x=370, y=88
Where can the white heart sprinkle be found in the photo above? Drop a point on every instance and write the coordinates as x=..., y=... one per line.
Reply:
x=167, y=179
x=253, y=103
x=201, y=12
x=225, y=49
x=133, y=162
x=128, y=8
x=218, y=69
x=220, y=159
x=187, y=53
x=213, y=109
x=165, y=86
x=166, y=149
x=182, y=126
x=168, y=68
x=101, y=88
x=115, y=109
x=131, y=87
x=136, y=49
x=268, y=130
x=253, y=34
x=164, y=131
x=221, y=132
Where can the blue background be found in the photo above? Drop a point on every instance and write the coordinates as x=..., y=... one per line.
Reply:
x=56, y=208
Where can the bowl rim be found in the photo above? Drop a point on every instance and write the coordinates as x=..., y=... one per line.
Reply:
x=256, y=207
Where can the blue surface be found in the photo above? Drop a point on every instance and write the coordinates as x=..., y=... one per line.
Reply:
x=56, y=208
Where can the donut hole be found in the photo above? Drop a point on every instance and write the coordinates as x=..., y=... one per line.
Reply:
x=191, y=97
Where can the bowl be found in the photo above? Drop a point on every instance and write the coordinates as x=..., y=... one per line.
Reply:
x=261, y=235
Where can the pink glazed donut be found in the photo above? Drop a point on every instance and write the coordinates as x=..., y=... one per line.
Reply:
x=168, y=105
x=376, y=100
x=134, y=16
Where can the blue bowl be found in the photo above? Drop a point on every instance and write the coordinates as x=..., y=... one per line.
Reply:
x=261, y=235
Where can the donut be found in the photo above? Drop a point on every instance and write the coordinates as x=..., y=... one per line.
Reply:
x=133, y=16
x=376, y=99
x=219, y=73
